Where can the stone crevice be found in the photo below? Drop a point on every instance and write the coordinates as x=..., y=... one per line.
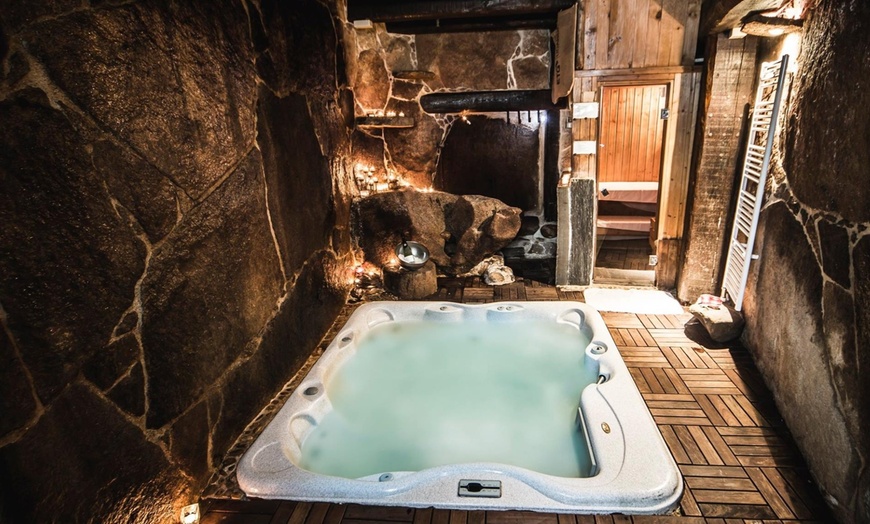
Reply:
x=122, y=376
x=224, y=177
x=251, y=347
x=138, y=422
x=269, y=220
x=39, y=408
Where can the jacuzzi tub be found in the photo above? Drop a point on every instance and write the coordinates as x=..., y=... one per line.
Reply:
x=631, y=469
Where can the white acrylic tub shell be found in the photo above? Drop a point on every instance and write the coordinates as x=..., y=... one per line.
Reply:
x=635, y=471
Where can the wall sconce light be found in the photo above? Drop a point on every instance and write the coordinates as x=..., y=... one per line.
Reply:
x=189, y=514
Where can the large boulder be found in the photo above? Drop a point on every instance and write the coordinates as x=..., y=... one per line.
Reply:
x=458, y=230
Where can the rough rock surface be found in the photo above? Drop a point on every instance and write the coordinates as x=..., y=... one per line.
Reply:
x=828, y=53
x=372, y=80
x=17, y=401
x=177, y=76
x=213, y=266
x=413, y=151
x=159, y=279
x=448, y=62
x=68, y=261
x=785, y=330
x=134, y=473
x=806, y=304
x=298, y=178
x=476, y=61
x=459, y=231
x=723, y=322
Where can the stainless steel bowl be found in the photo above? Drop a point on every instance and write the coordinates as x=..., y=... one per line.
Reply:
x=416, y=259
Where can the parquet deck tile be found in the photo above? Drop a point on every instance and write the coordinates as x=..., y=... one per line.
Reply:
x=739, y=462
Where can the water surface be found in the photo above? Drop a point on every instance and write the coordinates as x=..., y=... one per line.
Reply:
x=423, y=394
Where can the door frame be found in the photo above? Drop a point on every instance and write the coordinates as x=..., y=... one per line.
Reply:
x=683, y=87
x=605, y=84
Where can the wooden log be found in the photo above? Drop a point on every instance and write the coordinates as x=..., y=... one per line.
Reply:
x=411, y=284
x=488, y=101
x=465, y=25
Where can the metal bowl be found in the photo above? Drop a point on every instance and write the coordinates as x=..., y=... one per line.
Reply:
x=418, y=257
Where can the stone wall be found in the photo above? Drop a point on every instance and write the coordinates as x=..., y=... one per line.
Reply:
x=174, y=203
x=378, y=67
x=808, y=320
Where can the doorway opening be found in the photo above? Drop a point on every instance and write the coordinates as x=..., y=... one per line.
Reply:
x=629, y=170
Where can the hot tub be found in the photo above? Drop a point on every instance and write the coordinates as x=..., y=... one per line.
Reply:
x=511, y=405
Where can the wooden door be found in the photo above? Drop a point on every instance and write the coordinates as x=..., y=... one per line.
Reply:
x=630, y=143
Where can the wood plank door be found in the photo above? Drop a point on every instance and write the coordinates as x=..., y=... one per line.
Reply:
x=632, y=127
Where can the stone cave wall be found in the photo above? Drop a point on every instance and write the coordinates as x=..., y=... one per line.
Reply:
x=443, y=63
x=174, y=200
x=808, y=298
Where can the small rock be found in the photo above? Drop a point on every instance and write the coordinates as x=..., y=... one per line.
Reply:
x=498, y=275
x=549, y=231
x=529, y=225
x=537, y=249
x=484, y=264
x=723, y=322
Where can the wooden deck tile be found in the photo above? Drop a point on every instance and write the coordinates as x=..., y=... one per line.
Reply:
x=423, y=516
x=621, y=320
x=643, y=356
x=380, y=513
x=671, y=337
x=475, y=294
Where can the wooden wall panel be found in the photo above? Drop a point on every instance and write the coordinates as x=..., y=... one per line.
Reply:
x=624, y=34
x=630, y=148
x=729, y=92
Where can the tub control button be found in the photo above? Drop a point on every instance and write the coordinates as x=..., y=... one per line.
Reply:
x=480, y=488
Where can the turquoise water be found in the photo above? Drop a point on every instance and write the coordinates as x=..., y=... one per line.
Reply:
x=418, y=395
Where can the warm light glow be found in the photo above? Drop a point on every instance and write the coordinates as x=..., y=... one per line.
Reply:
x=566, y=177
x=189, y=514
x=792, y=12
x=776, y=31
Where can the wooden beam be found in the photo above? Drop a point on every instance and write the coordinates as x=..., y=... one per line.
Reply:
x=408, y=10
x=721, y=15
x=637, y=71
x=487, y=101
x=471, y=25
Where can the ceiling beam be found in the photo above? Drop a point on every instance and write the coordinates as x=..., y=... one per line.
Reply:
x=490, y=101
x=470, y=25
x=415, y=10
x=721, y=15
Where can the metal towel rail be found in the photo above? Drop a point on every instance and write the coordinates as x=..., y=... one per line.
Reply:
x=762, y=128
